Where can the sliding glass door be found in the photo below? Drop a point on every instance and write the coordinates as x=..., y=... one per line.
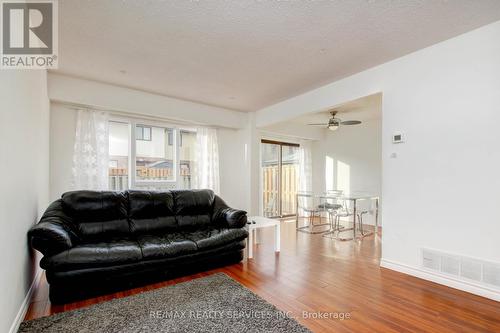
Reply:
x=280, y=167
x=289, y=179
x=270, y=179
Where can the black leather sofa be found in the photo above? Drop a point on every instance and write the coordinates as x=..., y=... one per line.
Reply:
x=98, y=242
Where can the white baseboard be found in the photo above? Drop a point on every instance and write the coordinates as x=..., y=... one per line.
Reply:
x=443, y=279
x=25, y=304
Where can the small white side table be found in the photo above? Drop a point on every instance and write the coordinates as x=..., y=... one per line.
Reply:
x=261, y=222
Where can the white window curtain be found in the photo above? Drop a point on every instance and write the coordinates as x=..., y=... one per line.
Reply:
x=207, y=160
x=305, y=167
x=91, y=151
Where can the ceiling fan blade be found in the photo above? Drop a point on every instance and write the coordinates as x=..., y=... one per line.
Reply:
x=323, y=125
x=350, y=122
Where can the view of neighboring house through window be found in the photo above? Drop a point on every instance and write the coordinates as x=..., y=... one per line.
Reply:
x=155, y=159
x=187, y=141
x=143, y=133
x=118, y=155
x=160, y=155
x=170, y=137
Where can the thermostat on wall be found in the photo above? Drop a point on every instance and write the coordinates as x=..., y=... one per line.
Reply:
x=398, y=138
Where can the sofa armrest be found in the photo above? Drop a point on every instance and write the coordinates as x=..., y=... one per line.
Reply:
x=49, y=238
x=234, y=218
x=227, y=216
x=53, y=234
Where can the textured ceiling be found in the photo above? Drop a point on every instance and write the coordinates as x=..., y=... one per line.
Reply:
x=246, y=55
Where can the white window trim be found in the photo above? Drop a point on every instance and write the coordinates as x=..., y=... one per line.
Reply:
x=132, y=122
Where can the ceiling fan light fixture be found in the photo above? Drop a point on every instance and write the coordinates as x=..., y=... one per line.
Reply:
x=334, y=123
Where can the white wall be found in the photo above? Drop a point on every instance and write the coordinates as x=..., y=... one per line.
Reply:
x=293, y=131
x=441, y=191
x=356, y=156
x=24, y=125
x=233, y=168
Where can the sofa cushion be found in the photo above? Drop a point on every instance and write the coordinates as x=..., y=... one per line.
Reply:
x=109, y=253
x=193, y=208
x=97, y=214
x=207, y=239
x=150, y=212
x=165, y=246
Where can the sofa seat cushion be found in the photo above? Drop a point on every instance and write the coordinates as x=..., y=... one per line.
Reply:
x=108, y=253
x=210, y=238
x=165, y=246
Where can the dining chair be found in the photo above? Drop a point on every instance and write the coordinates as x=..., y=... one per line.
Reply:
x=335, y=206
x=363, y=207
x=332, y=200
x=308, y=204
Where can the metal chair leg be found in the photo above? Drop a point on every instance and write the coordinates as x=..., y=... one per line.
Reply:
x=360, y=223
x=361, y=229
x=310, y=227
x=336, y=228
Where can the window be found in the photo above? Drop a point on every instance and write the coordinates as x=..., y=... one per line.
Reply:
x=118, y=155
x=156, y=159
x=188, y=134
x=143, y=133
x=170, y=134
x=187, y=141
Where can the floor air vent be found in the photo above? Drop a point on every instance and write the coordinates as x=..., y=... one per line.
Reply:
x=464, y=268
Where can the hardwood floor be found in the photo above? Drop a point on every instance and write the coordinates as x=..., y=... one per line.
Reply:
x=317, y=274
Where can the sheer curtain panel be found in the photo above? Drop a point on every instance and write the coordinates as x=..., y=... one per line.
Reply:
x=207, y=159
x=91, y=151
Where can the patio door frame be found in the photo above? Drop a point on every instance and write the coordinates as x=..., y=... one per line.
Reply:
x=280, y=169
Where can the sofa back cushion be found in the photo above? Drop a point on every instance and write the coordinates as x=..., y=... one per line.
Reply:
x=97, y=214
x=193, y=208
x=151, y=211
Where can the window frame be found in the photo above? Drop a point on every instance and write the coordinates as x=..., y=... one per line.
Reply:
x=132, y=158
x=179, y=146
x=280, y=144
x=143, y=127
x=170, y=137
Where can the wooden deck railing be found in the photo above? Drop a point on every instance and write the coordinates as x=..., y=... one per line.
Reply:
x=289, y=186
x=118, y=177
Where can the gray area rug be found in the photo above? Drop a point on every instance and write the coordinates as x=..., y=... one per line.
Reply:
x=215, y=303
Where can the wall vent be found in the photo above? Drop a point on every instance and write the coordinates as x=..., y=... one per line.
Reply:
x=463, y=268
x=471, y=269
x=491, y=274
x=450, y=265
x=431, y=260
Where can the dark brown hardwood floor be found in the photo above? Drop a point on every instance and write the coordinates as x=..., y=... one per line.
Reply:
x=316, y=274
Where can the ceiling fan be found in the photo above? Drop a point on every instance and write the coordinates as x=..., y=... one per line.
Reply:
x=334, y=123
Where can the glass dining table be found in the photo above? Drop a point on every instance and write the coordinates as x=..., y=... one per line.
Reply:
x=354, y=198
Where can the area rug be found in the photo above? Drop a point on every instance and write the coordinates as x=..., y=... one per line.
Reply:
x=215, y=303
